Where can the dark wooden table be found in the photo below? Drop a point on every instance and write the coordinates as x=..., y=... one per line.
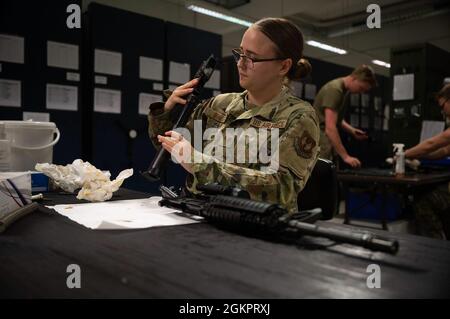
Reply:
x=409, y=179
x=406, y=184
x=202, y=261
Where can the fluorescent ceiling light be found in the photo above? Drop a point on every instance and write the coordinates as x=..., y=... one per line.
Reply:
x=381, y=63
x=327, y=47
x=217, y=14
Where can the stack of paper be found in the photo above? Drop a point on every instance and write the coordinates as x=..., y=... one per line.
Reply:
x=124, y=214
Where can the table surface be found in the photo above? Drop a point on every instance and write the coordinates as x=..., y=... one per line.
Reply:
x=412, y=179
x=202, y=261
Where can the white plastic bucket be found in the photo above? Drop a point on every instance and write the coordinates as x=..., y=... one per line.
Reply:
x=29, y=143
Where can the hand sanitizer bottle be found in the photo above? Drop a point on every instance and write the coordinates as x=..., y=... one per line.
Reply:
x=399, y=159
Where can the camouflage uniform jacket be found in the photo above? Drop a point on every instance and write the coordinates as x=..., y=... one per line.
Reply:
x=299, y=134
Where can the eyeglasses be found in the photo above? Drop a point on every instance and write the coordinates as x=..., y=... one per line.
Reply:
x=248, y=61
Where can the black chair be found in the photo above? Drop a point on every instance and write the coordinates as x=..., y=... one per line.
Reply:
x=321, y=190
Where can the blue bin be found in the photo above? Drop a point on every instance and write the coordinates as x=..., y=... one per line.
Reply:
x=373, y=206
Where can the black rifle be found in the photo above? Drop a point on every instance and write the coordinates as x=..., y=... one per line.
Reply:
x=193, y=99
x=227, y=208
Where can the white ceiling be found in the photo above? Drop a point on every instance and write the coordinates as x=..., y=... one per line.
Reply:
x=318, y=19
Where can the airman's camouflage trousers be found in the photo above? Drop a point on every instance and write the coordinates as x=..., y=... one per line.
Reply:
x=432, y=213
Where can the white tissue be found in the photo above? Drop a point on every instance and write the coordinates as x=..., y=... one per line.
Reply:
x=413, y=164
x=95, y=185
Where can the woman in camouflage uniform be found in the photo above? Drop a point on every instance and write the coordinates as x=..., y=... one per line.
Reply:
x=270, y=54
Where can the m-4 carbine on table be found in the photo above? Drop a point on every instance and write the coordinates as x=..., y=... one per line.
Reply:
x=231, y=208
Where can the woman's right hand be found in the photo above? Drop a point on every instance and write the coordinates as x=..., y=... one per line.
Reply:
x=179, y=93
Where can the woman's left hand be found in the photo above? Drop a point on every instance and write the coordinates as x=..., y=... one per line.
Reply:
x=178, y=147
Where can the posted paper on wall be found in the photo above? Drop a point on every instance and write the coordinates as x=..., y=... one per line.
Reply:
x=310, y=91
x=107, y=101
x=73, y=76
x=364, y=121
x=145, y=100
x=158, y=87
x=354, y=99
x=62, y=97
x=150, y=68
x=377, y=104
x=62, y=55
x=99, y=79
x=179, y=72
x=214, y=81
x=365, y=100
x=10, y=93
x=36, y=116
x=354, y=120
x=403, y=87
x=11, y=48
x=430, y=129
x=297, y=88
x=108, y=62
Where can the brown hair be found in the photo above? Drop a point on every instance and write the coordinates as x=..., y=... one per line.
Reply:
x=444, y=92
x=365, y=73
x=288, y=40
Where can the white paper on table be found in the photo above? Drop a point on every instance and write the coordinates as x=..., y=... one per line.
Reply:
x=179, y=72
x=108, y=62
x=11, y=48
x=172, y=87
x=214, y=81
x=124, y=214
x=403, y=87
x=145, y=99
x=297, y=88
x=430, y=129
x=10, y=93
x=310, y=91
x=36, y=116
x=62, y=55
x=107, y=101
x=150, y=68
x=62, y=97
